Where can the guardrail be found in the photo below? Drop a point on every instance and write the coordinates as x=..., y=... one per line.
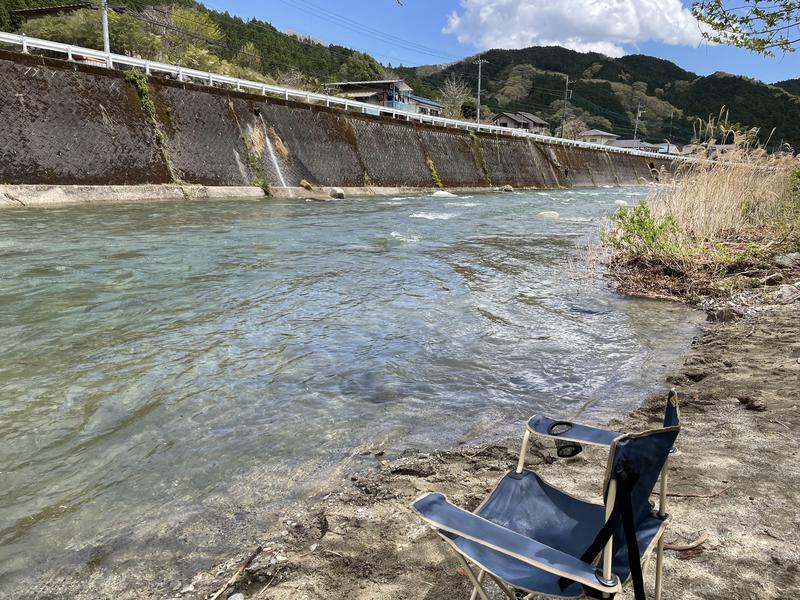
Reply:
x=112, y=60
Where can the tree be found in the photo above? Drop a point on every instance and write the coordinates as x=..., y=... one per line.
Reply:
x=82, y=28
x=360, y=67
x=454, y=93
x=759, y=25
x=249, y=57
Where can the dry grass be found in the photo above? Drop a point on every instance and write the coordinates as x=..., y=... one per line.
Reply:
x=740, y=192
x=714, y=221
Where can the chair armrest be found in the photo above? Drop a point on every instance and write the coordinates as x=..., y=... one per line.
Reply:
x=438, y=512
x=582, y=434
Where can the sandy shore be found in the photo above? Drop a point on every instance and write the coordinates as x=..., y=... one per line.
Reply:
x=737, y=479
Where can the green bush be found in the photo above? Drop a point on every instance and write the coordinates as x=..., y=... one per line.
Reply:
x=639, y=234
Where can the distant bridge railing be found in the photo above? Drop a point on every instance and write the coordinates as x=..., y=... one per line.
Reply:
x=112, y=60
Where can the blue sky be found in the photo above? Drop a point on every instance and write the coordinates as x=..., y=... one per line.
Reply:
x=440, y=31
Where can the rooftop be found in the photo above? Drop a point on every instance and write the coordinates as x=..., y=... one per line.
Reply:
x=597, y=133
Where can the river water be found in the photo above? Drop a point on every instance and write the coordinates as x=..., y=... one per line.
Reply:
x=164, y=365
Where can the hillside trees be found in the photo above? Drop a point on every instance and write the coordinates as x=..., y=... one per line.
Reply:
x=454, y=94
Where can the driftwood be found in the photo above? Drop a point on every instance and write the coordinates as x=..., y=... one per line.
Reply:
x=237, y=574
x=691, y=546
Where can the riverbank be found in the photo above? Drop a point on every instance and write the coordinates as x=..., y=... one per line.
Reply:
x=30, y=196
x=736, y=480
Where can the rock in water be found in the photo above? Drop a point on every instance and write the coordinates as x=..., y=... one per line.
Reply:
x=507, y=188
x=549, y=214
x=337, y=193
x=621, y=203
x=443, y=194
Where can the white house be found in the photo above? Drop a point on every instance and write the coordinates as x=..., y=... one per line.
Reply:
x=597, y=136
x=522, y=120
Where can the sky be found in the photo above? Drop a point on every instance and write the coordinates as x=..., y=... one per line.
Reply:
x=442, y=31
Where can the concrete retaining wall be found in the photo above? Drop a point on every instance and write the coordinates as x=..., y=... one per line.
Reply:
x=67, y=124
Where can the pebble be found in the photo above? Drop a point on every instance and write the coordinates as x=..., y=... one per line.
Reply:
x=237, y=596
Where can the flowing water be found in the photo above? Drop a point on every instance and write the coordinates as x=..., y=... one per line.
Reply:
x=164, y=365
x=271, y=149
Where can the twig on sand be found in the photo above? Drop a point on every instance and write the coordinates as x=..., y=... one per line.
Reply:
x=781, y=423
x=237, y=575
x=269, y=583
x=690, y=546
x=681, y=495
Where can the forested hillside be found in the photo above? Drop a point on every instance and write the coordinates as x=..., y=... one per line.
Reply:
x=604, y=92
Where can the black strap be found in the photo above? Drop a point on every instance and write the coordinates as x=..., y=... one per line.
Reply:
x=622, y=511
x=629, y=527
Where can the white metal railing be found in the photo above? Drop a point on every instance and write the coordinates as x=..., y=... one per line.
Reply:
x=184, y=74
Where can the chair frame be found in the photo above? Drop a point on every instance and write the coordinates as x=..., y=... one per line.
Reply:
x=479, y=579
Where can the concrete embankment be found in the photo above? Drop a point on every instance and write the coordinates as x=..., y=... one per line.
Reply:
x=63, y=124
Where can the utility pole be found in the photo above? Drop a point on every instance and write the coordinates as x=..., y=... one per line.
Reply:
x=671, y=114
x=639, y=113
x=479, y=62
x=567, y=96
x=106, y=40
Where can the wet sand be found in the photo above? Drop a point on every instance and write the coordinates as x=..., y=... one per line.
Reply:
x=737, y=479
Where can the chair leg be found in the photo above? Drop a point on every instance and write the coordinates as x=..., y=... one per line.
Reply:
x=509, y=594
x=474, y=594
x=659, y=568
x=477, y=584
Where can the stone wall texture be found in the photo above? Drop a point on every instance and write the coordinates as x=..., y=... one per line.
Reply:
x=68, y=124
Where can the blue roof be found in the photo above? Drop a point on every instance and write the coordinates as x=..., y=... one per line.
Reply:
x=428, y=101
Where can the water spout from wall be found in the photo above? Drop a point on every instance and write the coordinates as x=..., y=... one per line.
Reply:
x=271, y=149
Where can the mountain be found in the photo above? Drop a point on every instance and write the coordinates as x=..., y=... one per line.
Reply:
x=790, y=85
x=605, y=93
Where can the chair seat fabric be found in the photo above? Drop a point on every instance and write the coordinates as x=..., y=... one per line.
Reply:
x=531, y=507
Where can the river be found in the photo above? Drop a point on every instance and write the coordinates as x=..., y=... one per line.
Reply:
x=167, y=365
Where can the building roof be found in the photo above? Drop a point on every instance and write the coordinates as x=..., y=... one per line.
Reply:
x=534, y=119
x=428, y=101
x=633, y=144
x=597, y=133
x=522, y=117
x=379, y=83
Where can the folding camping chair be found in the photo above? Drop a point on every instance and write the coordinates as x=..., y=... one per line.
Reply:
x=532, y=538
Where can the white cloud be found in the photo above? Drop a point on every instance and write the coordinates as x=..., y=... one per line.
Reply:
x=605, y=26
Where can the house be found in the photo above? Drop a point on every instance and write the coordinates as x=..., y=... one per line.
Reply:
x=425, y=106
x=667, y=148
x=597, y=136
x=635, y=145
x=391, y=93
x=522, y=120
x=709, y=151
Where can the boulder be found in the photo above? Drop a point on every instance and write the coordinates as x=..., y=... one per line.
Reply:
x=549, y=214
x=787, y=294
x=443, y=194
x=507, y=188
x=337, y=193
x=305, y=184
x=621, y=203
x=788, y=261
